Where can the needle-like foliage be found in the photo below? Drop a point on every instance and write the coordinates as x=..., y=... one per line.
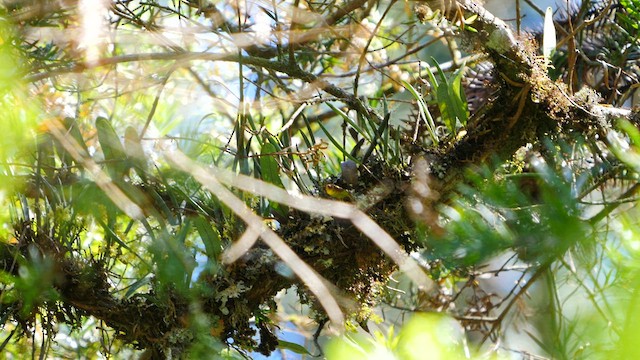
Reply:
x=197, y=179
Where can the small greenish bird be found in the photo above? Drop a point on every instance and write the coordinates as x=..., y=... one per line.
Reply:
x=338, y=193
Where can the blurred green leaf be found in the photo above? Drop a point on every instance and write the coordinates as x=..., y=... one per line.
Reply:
x=36, y=276
x=431, y=336
x=134, y=151
x=137, y=285
x=424, y=336
x=173, y=260
x=632, y=18
x=20, y=112
x=74, y=136
x=270, y=171
x=115, y=157
x=296, y=348
x=492, y=215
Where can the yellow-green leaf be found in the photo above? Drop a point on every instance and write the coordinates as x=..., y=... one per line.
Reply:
x=114, y=154
x=269, y=169
x=210, y=237
x=296, y=348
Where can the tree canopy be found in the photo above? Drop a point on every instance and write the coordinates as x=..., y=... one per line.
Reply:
x=171, y=167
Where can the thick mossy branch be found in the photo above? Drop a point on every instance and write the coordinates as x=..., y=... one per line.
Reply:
x=232, y=295
x=83, y=285
x=527, y=106
x=334, y=248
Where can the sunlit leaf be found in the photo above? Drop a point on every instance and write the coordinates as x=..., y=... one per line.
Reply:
x=210, y=237
x=270, y=169
x=115, y=157
x=296, y=348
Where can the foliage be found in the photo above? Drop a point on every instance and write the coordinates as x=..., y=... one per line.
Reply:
x=170, y=168
x=416, y=340
x=632, y=16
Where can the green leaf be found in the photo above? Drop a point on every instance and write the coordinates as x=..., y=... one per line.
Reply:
x=459, y=98
x=114, y=155
x=112, y=235
x=633, y=10
x=134, y=150
x=162, y=206
x=631, y=130
x=296, y=348
x=46, y=158
x=269, y=170
x=337, y=143
x=210, y=237
x=450, y=99
x=173, y=260
x=72, y=131
x=345, y=117
x=432, y=79
x=137, y=285
x=446, y=108
x=269, y=166
x=423, y=109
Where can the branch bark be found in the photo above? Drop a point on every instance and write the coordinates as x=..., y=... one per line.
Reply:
x=527, y=106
